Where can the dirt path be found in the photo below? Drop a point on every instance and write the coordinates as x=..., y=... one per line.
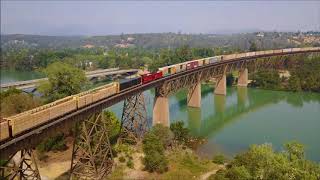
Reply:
x=56, y=163
x=208, y=174
x=137, y=172
x=54, y=170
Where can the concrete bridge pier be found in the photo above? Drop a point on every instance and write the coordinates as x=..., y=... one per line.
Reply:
x=221, y=86
x=243, y=77
x=161, y=111
x=194, y=96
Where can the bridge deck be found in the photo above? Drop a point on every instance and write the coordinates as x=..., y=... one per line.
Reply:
x=90, y=74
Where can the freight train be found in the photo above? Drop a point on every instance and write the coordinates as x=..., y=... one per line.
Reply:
x=17, y=124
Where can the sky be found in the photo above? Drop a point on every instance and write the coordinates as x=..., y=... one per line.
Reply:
x=111, y=17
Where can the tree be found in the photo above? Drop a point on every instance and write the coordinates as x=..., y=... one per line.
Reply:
x=262, y=162
x=268, y=79
x=15, y=103
x=253, y=46
x=113, y=125
x=63, y=80
x=153, y=148
x=181, y=134
x=164, y=134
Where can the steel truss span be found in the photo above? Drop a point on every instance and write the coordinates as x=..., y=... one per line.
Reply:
x=165, y=85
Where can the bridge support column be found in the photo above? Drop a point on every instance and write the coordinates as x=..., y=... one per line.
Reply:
x=161, y=111
x=22, y=165
x=134, y=118
x=221, y=85
x=243, y=77
x=91, y=155
x=194, y=96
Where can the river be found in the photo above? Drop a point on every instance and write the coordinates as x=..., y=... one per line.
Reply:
x=245, y=116
x=8, y=76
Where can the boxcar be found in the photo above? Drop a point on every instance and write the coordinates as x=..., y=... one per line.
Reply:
x=269, y=52
x=249, y=54
x=241, y=55
x=127, y=83
x=228, y=57
x=213, y=60
x=4, y=130
x=181, y=67
x=172, y=69
x=192, y=65
x=260, y=52
x=207, y=61
x=296, y=49
x=158, y=75
x=287, y=50
x=200, y=62
x=164, y=71
x=278, y=51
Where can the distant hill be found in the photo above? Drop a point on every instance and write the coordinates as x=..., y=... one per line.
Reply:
x=266, y=40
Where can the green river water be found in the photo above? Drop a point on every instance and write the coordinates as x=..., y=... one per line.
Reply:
x=245, y=116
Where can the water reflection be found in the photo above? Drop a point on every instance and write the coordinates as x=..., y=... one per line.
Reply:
x=194, y=120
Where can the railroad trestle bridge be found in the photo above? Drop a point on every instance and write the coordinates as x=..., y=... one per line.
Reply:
x=92, y=155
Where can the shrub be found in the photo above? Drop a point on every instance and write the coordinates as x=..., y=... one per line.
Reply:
x=218, y=159
x=155, y=162
x=181, y=134
x=56, y=143
x=122, y=159
x=164, y=134
x=262, y=162
x=153, y=149
x=130, y=164
x=113, y=125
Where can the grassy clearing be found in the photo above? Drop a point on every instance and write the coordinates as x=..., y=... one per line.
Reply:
x=118, y=172
x=184, y=164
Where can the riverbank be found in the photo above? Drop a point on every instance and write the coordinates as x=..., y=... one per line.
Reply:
x=182, y=164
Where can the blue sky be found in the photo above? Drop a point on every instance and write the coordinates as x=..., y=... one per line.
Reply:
x=108, y=17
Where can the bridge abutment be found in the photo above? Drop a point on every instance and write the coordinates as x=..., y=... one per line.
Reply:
x=161, y=111
x=243, y=77
x=221, y=86
x=194, y=96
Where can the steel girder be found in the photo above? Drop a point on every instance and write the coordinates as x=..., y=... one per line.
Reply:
x=21, y=165
x=91, y=155
x=134, y=118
